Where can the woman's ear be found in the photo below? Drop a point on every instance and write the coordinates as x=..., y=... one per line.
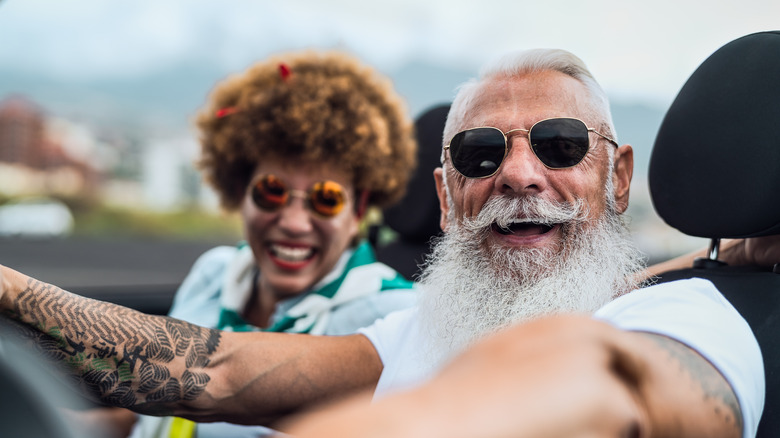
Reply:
x=362, y=204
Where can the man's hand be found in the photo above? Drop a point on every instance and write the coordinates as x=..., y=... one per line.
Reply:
x=556, y=377
x=2, y=282
x=550, y=378
x=6, y=277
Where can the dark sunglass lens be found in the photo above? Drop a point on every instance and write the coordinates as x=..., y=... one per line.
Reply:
x=269, y=193
x=477, y=152
x=327, y=198
x=560, y=143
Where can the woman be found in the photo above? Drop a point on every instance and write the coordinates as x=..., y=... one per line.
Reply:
x=302, y=145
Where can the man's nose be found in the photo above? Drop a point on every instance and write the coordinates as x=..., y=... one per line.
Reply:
x=521, y=172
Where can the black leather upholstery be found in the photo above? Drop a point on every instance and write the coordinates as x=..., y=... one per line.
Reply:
x=715, y=173
x=416, y=218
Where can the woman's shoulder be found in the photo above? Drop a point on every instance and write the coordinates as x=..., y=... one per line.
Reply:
x=202, y=286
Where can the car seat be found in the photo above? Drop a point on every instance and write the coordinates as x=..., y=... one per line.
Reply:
x=715, y=173
x=415, y=219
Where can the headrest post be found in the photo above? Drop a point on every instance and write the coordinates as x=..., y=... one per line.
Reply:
x=711, y=261
x=714, y=250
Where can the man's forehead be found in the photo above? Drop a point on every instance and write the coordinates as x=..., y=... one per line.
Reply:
x=525, y=99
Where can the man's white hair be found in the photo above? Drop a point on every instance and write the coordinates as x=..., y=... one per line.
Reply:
x=524, y=62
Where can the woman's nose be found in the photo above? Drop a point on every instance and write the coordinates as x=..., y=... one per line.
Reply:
x=295, y=217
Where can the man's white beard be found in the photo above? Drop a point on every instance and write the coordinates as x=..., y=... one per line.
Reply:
x=470, y=289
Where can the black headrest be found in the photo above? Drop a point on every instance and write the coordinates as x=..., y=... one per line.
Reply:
x=416, y=217
x=715, y=167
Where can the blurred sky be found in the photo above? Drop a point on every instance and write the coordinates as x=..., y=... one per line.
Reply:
x=641, y=50
x=84, y=59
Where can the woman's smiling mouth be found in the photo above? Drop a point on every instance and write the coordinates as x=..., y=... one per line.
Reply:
x=291, y=254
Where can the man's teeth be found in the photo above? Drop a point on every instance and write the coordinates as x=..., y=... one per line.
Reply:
x=292, y=254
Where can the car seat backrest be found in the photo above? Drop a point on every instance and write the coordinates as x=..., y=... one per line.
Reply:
x=715, y=166
x=715, y=173
x=415, y=218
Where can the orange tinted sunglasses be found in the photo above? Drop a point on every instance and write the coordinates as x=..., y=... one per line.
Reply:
x=326, y=198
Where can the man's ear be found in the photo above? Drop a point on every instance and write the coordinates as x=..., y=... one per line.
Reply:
x=624, y=170
x=441, y=190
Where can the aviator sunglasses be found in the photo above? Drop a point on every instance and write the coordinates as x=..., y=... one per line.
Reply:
x=326, y=198
x=558, y=143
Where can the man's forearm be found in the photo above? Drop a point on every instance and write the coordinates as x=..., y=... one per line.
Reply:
x=120, y=356
x=159, y=365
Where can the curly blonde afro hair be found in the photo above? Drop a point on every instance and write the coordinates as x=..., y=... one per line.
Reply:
x=312, y=107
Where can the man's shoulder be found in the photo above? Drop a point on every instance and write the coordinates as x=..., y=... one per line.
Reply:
x=392, y=326
x=689, y=289
x=400, y=317
x=668, y=303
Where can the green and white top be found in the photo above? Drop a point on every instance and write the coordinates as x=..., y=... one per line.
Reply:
x=358, y=291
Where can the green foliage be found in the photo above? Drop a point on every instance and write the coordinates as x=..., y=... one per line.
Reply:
x=192, y=224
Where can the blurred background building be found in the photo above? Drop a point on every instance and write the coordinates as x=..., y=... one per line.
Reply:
x=97, y=99
x=34, y=153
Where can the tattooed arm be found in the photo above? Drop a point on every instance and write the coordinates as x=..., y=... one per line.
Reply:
x=555, y=377
x=162, y=366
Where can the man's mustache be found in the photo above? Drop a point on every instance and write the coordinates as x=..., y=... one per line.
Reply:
x=503, y=211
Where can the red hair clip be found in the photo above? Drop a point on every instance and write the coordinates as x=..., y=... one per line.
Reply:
x=284, y=71
x=226, y=111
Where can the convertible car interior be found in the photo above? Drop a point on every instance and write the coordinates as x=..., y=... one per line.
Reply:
x=714, y=173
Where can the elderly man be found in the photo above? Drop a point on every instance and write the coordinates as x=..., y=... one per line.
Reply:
x=532, y=187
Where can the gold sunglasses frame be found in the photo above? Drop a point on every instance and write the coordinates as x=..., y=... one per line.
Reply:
x=528, y=133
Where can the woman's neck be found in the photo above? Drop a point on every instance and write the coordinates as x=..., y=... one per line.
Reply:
x=261, y=305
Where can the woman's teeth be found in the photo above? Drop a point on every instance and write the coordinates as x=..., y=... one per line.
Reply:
x=292, y=254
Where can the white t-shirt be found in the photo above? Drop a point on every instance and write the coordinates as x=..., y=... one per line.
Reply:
x=690, y=311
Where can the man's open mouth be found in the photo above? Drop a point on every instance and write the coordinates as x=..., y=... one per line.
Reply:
x=524, y=228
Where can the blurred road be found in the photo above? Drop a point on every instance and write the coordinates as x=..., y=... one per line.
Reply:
x=139, y=273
